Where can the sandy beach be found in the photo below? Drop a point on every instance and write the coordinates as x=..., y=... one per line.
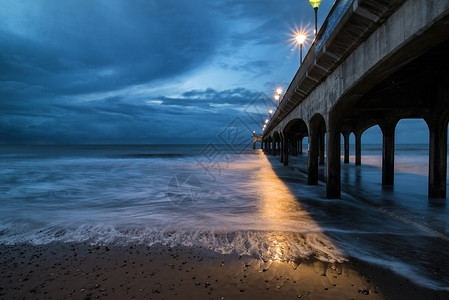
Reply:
x=82, y=271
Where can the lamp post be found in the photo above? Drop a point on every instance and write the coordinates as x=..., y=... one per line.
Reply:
x=300, y=39
x=277, y=97
x=315, y=4
x=270, y=113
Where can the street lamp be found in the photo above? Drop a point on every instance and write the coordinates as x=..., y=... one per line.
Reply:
x=315, y=4
x=270, y=113
x=277, y=97
x=300, y=39
x=279, y=91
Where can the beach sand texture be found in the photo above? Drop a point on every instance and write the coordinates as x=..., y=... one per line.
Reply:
x=81, y=271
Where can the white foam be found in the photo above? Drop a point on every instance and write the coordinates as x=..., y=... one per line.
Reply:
x=266, y=245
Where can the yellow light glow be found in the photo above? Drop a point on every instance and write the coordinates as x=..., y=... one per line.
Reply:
x=279, y=90
x=315, y=3
x=276, y=97
x=300, y=38
x=277, y=205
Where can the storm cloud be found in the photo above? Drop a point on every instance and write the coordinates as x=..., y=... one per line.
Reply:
x=143, y=71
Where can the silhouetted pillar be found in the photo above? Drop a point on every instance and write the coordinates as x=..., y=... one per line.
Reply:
x=274, y=148
x=358, y=149
x=281, y=150
x=333, y=187
x=388, y=129
x=313, y=158
x=294, y=144
x=437, y=158
x=300, y=145
x=285, y=151
x=346, y=147
x=322, y=144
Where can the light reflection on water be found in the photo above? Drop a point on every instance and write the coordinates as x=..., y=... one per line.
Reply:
x=295, y=230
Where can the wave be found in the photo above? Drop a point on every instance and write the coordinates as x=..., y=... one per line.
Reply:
x=292, y=247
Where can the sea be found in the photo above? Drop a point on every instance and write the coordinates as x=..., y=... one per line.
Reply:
x=231, y=200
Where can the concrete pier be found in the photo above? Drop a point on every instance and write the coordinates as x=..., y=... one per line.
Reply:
x=372, y=63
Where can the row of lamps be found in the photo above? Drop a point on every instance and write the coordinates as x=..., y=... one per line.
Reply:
x=300, y=38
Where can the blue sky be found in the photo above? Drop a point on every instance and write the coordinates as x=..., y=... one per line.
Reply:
x=118, y=71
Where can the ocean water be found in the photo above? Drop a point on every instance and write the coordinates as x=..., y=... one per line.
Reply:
x=204, y=195
x=225, y=199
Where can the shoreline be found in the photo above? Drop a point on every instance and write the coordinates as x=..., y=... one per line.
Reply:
x=82, y=271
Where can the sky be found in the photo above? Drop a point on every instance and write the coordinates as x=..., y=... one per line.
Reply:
x=145, y=71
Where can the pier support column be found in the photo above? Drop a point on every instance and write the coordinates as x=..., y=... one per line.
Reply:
x=333, y=187
x=388, y=129
x=437, y=158
x=273, y=150
x=358, y=148
x=312, y=166
x=294, y=144
x=300, y=145
x=346, y=147
x=281, y=150
x=321, y=141
x=285, y=151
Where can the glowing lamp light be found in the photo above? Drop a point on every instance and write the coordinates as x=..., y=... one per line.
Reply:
x=270, y=111
x=266, y=121
x=279, y=91
x=276, y=97
x=301, y=38
x=315, y=3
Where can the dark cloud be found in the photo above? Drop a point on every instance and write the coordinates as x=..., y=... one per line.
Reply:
x=116, y=71
x=197, y=113
x=77, y=47
x=210, y=97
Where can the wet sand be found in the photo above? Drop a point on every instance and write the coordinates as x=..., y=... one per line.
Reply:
x=82, y=271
